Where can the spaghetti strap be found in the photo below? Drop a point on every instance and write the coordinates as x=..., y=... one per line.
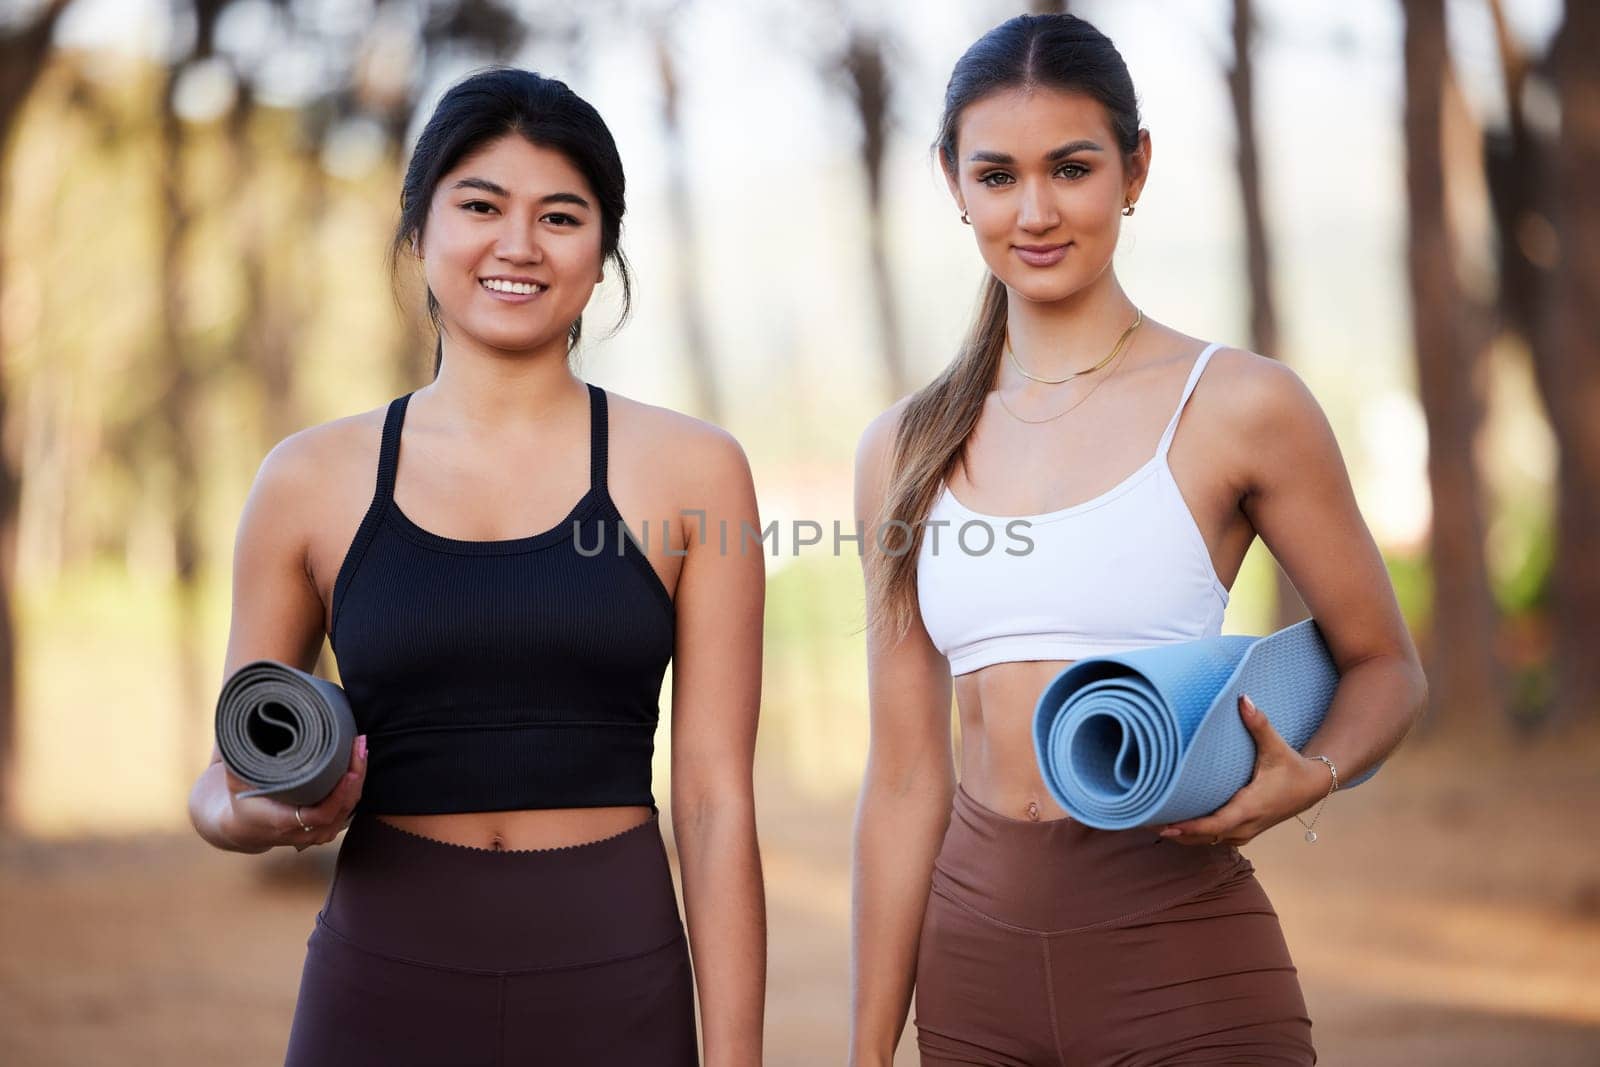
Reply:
x=597, y=436
x=389, y=449
x=1188, y=389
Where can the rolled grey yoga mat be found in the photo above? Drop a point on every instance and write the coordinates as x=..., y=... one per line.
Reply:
x=1154, y=735
x=284, y=731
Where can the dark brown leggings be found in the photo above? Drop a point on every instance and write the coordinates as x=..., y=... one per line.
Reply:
x=1053, y=943
x=428, y=953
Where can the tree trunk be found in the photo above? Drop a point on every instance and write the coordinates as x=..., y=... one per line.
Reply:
x=867, y=72
x=1576, y=375
x=1288, y=607
x=268, y=319
x=180, y=419
x=1463, y=671
x=686, y=272
x=23, y=53
x=1517, y=163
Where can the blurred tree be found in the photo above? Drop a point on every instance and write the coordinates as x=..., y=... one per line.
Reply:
x=1546, y=272
x=272, y=312
x=180, y=368
x=865, y=69
x=1288, y=607
x=1517, y=162
x=24, y=47
x=1464, y=675
x=1574, y=388
x=685, y=235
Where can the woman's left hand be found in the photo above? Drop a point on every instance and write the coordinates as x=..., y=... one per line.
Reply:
x=1285, y=783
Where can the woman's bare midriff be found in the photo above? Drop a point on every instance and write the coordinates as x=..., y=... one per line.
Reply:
x=516, y=831
x=998, y=766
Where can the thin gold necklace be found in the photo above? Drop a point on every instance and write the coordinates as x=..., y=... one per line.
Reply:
x=1001, y=396
x=1138, y=317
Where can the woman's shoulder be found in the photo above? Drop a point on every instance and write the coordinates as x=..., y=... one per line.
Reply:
x=678, y=443
x=329, y=456
x=312, y=489
x=877, y=437
x=1248, y=389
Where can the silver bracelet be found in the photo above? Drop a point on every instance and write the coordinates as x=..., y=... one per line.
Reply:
x=1311, y=834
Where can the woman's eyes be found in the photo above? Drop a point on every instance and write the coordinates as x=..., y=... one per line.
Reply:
x=997, y=178
x=560, y=218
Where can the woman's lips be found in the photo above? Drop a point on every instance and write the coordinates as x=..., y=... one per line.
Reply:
x=1041, y=255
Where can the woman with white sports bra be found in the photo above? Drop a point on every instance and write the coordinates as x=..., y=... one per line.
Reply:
x=1082, y=480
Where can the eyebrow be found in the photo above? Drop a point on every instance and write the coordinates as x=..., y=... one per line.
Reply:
x=1051, y=156
x=490, y=187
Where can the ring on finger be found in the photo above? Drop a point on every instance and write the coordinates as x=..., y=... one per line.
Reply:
x=301, y=821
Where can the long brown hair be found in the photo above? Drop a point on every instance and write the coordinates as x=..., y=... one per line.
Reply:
x=1054, y=51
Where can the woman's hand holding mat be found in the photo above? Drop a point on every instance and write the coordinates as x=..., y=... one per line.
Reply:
x=294, y=766
x=258, y=822
x=1284, y=784
x=1159, y=736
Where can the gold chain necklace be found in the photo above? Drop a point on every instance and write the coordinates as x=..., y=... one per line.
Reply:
x=1138, y=317
x=1001, y=396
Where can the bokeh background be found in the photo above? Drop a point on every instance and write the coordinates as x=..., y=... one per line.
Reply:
x=1396, y=198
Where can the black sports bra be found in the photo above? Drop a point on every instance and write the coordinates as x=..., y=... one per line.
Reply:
x=497, y=675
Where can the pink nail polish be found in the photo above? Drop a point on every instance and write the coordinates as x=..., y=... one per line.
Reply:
x=363, y=746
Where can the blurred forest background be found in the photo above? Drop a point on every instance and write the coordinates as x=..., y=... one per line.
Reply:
x=1397, y=197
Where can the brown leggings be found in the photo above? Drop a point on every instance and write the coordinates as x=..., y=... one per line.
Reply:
x=433, y=953
x=1053, y=943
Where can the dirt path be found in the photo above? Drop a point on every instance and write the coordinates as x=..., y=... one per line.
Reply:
x=1449, y=915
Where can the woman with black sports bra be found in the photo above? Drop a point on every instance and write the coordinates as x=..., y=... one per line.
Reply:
x=503, y=894
x=1081, y=480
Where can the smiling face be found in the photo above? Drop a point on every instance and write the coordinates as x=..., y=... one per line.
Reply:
x=512, y=245
x=1043, y=181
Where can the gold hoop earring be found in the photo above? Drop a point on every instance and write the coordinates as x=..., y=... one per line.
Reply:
x=964, y=217
x=1127, y=209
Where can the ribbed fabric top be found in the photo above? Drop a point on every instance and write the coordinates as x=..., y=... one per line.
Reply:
x=499, y=675
x=1126, y=569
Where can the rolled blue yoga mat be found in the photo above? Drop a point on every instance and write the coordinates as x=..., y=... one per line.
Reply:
x=284, y=731
x=1154, y=735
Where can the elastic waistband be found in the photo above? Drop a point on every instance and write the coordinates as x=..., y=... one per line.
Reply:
x=419, y=900
x=1059, y=875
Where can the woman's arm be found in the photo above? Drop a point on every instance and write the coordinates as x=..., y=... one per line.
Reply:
x=1296, y=494
x=716, y=698
x=905, y=798
x=277, y=614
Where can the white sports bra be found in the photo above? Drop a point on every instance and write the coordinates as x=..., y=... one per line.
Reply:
x=1127, y=569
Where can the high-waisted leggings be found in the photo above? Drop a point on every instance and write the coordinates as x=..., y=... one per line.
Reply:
x=428, y=953
x=1054, y=943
